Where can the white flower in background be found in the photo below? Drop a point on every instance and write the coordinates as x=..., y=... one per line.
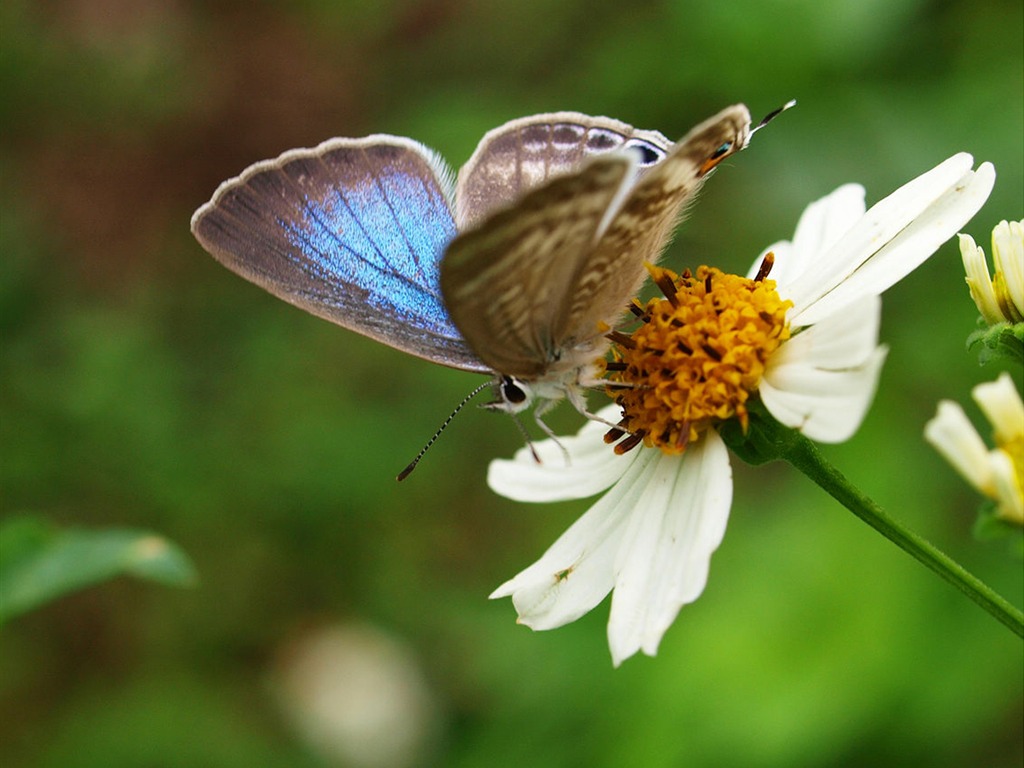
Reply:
x=997, y=473
x=358, y=696
x=1000, y=298
x=806, y=342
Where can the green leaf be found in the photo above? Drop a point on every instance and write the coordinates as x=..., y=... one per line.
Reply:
x=991, y=527
x=40, y=562
x=1001, y=341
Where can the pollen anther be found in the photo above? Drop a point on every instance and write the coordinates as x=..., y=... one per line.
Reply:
x=697, y=356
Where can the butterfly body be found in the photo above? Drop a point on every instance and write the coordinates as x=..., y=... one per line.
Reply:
x=517, y=267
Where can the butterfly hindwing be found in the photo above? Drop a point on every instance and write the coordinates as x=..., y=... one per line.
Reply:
x=351, y=231
x=524, y=153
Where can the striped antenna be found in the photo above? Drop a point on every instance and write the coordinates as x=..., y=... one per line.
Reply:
x=412, y=464
x=772, y=115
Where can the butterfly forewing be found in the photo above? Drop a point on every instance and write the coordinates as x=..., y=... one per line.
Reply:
x=351, y=231
x=503, y=280
x=524, y=153
x=641, y=228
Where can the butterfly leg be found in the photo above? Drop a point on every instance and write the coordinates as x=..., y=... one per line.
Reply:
x=576, y=396
x=526, y=437
x=538, y=415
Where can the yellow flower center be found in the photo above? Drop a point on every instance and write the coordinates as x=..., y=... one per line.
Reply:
x=697, y=356
x=1014, y=450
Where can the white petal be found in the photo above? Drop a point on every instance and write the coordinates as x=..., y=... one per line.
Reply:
x=1007, y=492
x=953, y=436
x=821, y=226
x=841, y=341
x=828, y=219
x=1008, y=257
x=876, y=227
x=827, y=406
x=663, y=559
x=593, y=466
x=892, y=239
x=1002, y=406
x=822, y=380
x=578, y=570
x=979, y=281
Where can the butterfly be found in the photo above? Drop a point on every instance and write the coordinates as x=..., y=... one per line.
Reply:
x=516, y=267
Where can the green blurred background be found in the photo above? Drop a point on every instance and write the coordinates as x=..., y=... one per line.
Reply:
x=146, y=386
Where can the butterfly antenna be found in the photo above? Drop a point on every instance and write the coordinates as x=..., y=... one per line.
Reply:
x=772, y=115
x=412, y=464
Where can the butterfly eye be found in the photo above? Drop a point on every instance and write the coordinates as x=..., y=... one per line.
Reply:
x=512, y=392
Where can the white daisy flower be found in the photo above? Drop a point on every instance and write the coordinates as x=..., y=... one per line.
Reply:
x=1000, y=299
x=806, y=342
x=998, y=473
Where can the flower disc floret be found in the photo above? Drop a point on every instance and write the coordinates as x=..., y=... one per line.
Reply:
x=698, y=355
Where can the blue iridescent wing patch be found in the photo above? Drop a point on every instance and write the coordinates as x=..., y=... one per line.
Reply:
x=351, y=231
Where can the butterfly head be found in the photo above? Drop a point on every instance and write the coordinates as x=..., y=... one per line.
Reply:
x=512, y=395
x=740, y=141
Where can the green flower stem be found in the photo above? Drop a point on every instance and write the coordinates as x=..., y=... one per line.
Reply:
x=804, y=455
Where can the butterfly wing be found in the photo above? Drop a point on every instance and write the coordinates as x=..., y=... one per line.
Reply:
x=641, y=228
x=351, y=231
x=503, y=280
x=524, y=153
